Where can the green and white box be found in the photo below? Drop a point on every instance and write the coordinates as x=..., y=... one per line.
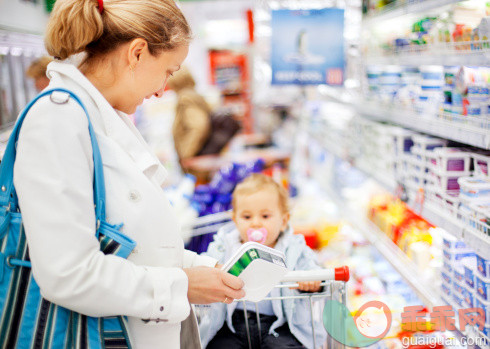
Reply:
x=260, y=267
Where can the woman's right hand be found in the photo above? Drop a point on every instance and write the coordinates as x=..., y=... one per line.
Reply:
x=210, y=285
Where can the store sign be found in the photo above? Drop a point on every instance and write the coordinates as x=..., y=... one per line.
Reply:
x=307, y=47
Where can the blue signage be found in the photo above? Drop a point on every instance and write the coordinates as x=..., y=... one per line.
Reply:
x=307, y=47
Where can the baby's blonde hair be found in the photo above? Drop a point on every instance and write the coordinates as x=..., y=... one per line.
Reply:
x=257, y=182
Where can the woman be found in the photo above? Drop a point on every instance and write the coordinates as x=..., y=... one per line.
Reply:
x=130, y=49
x=37, y=72
x=192, y=124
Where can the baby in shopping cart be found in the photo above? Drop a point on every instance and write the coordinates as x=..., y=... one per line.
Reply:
x=260, y=207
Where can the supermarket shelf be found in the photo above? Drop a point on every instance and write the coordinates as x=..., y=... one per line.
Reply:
x=423, y=54
x=398, y=259
x=434, y=211
x=468, y=130
x=475, y=239
x=391, y=252
x=414, y=6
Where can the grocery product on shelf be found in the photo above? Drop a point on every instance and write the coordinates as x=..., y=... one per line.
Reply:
x=461, y=28
x=480, y=164
x=405, y=228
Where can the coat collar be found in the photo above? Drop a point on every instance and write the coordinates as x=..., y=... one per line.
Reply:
x=113, y=123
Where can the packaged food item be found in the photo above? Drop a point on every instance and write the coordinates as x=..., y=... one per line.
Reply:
x=481, y=164
x=469, y=266
x=485, y=305
x=450, y=242
x=446, y=290
x=455, y=256
x=373, y=73
x=483, y=266
x=450, y=73
x=458, y=273
x=483, y=33
x=450, y=159
x=475, y=188
x=483, y=287
x=457, y=288
x=468, y=297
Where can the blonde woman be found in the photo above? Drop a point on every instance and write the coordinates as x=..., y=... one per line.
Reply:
x=192, y=124
x=130, y=48
x=37, y=72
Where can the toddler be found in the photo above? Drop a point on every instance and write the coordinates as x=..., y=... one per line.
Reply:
x=260, y=213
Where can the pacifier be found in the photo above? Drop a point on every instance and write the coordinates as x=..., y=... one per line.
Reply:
x=257, y=235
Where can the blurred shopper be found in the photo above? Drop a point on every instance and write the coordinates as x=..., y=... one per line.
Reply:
x=192, y=124
x=198, y=130
x=37, y=72
x=130, y=48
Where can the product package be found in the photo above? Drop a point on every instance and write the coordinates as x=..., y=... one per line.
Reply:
x=260, y=267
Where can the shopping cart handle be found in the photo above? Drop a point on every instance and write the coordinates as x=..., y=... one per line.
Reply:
x=338, y=274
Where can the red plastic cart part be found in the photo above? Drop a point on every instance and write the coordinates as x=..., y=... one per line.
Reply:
x=342, y=273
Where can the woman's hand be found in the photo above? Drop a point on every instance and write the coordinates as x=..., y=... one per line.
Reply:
x=309, y=286
x=210, y=285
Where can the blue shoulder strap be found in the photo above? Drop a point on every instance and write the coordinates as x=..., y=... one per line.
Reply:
x=8, y=197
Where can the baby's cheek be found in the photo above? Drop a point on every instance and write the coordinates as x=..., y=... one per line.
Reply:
x=243, y=236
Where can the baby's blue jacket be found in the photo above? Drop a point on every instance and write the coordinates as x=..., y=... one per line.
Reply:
x=295, y=311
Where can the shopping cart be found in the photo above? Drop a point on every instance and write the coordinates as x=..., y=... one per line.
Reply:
x=333, y=282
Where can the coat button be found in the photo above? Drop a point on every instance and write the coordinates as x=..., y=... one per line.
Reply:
x=134, y=196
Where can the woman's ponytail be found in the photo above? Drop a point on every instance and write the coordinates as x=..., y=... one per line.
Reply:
x=73, y=25
x=80, y=25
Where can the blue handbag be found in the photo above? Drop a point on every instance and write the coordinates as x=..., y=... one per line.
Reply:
x=27, y=319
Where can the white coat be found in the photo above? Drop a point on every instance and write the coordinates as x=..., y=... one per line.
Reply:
x=53, y=177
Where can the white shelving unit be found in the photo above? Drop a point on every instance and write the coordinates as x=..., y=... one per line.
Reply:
x=472, y=131
x=472, y=53
x=434, y=211
x=391, y=252
x=468, y=130
x=398, y=259
x=464, y=129
x=410, y=6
